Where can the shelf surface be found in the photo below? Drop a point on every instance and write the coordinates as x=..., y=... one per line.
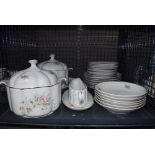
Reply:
x=96, y=117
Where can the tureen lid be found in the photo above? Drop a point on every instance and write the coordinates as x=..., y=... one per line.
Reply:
x=53, y=64
x=32, y=77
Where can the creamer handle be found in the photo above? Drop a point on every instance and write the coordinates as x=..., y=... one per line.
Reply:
x=63, y=79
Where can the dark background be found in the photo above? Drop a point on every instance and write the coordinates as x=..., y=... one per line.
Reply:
x=131, y=46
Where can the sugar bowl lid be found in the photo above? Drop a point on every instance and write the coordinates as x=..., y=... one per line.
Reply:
x=52, y=64
x=33, y=77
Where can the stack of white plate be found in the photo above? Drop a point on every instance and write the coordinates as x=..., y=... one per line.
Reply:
x=120, y=97
x=101, y=71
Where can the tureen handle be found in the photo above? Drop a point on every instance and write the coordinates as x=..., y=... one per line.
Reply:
x=3, y=82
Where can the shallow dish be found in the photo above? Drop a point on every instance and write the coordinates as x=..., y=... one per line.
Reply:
x=118, y=110
x=121, y=89
x=87, y=75
x=125, y=106
x=95, y=80
x=120, y=98
x=103, y=64
x=120, y=101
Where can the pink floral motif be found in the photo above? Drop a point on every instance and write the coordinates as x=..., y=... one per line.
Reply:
x=43, y=100
x=29, y=105
x=24, y=77
x=21, y=108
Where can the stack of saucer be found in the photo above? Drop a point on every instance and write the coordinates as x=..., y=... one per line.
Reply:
x=120, y=97
x=101, y=71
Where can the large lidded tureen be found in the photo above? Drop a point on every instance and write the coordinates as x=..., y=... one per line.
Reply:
x=33, y=92
x=59, y=68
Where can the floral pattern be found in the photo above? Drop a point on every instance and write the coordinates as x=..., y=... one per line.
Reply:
x=29, y=104
x=24, y=76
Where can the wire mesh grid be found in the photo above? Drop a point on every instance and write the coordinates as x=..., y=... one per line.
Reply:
x=131, y=46
x=146, y=77
x=139, y=59
x=138, y=51
x=21, y=45
x=98, y=45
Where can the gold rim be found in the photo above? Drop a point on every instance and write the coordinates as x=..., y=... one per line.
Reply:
x=33, y=87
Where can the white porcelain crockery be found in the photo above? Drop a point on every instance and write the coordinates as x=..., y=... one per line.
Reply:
x=121, y=89
x=119, y=102
x=117, y=110
x=120, y=97
x=124, y=104
x=84, y=106
x=33, y=92
x=106, y=64
x=101, y=71
x=77, y=92
x=54, y=66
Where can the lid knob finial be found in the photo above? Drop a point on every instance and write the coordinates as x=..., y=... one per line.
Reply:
x=33, y=62
x=52, y=56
